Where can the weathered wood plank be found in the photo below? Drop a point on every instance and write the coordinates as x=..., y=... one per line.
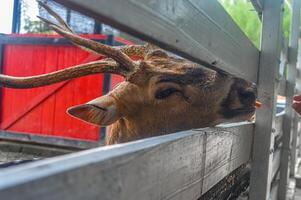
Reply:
x=47, y=140
x=290, y=87
x=283, y=57
x=175, y=166
x=281, y=78
x=278, y=125
x=294, y=149
x=276, y=163
x=274, y=190
x=268, y=67
x=198, y=30
x=298, y=78
x=218, y=163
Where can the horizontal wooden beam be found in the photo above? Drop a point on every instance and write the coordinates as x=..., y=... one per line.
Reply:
x=201, y=31
x=183, y=165
x=47, y=140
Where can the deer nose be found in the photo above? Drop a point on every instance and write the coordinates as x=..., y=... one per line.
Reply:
x=248, y=95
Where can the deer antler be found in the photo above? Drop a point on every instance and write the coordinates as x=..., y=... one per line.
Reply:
x=63, y=29
x=123, y=66
x=62, y=75
x=129, y=50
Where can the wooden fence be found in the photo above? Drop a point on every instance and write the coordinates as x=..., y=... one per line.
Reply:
x=187, y=164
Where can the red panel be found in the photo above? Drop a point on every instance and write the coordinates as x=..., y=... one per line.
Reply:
x=94, y=36
x=43, y=110
x=115, y=79
x=49, y=117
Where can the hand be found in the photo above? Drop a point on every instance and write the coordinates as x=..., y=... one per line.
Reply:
x=297, y=104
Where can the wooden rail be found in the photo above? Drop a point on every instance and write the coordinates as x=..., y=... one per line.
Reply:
x=183, y=165
x=198, y=30
x=187, y=164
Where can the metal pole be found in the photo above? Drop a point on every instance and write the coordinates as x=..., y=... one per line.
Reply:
x=16, y=17
x=106, y=85
x=97, y=27
x=261, y=173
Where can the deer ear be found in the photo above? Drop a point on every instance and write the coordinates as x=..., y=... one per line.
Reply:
x=101, y=111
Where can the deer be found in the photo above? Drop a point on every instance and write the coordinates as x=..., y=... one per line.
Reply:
x=161, y=94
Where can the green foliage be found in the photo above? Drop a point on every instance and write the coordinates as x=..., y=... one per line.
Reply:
x=30, y=24
x=287, y=16
x=244, y=14
x=35, y=26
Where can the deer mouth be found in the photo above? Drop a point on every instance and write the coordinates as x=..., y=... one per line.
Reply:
x=245, y=110
x=238, y=112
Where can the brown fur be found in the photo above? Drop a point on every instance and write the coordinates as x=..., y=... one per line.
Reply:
x=197, y=105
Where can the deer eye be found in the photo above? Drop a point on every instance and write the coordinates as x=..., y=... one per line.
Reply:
x=163, y=94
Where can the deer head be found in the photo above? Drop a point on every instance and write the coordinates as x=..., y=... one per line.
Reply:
x=161, y=93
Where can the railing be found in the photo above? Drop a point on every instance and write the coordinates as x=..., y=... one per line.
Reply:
x=187, y=164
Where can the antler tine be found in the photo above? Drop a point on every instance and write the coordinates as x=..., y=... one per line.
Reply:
x=62, y=75
x=64, y=30
x=129, y=50
x=54, y=24
x=55, y=15
x=108, y=51
x=137, y=50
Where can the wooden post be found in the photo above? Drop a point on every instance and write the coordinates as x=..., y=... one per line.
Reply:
x=268, y=70
x=294, y=145
x=290, y=87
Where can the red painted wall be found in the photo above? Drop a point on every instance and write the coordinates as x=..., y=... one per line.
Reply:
x=43, y=110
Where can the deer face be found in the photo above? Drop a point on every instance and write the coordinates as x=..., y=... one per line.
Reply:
x=168, y=94
x=161, y=94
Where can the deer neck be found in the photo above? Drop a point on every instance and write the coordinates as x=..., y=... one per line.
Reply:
x=123, y=131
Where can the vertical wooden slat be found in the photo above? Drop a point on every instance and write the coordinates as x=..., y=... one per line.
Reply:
x=290, y=87
x=294, y=145
x=268, y=67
